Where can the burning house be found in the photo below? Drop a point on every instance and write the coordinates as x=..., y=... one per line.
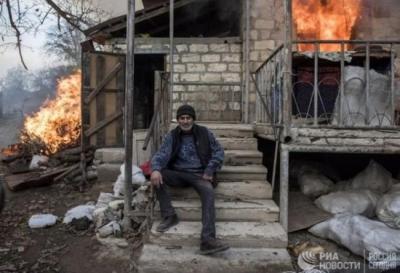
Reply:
x=312, y=79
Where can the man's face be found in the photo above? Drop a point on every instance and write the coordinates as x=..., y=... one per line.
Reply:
x=185, y=122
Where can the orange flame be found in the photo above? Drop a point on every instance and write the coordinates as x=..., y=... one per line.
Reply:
x=325, y=20
x=58, y=122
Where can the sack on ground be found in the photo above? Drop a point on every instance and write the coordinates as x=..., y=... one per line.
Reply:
x=355, y=202
x=359, y=234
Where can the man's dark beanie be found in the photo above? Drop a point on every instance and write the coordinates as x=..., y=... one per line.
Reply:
x=186, y=109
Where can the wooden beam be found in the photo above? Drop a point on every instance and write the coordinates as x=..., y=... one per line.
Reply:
x=103, y=123
x=103, y=83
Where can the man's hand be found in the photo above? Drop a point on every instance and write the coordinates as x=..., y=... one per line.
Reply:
x=156, y=179
x=207, y=177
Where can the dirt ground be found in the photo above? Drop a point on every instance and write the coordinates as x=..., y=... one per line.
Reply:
x=59, y=248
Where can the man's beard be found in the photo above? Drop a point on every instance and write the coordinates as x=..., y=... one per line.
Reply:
x=186, y=127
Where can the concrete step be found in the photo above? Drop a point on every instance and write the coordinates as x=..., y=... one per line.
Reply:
x=110, y=155
x=246, y=211
x=230, y=143
x=242, y=157
x=236, y=234
x=108, y=172
x=155, y=259
x=231, y=191
x=227, y=129
x=242, y=173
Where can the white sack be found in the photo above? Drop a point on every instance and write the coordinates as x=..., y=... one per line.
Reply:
x=138, y=179
x=388, y=209
x=36, y=159
x=354, y=106
x=374, y=177
x=355, y=202
x=79, y=212
x=42, y=220
x=314, y=184
x=359, y=233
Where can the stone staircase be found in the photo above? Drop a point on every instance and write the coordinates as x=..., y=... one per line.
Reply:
x=247, y=218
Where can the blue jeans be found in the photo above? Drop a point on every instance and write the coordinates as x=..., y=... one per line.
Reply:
x=203, y=187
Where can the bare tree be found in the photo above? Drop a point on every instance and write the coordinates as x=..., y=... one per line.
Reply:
x=19, y=17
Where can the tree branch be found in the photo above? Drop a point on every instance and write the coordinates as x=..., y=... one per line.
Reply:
x=63, y=14
x=17, y=33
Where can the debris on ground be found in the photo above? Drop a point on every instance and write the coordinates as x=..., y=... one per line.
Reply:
x=388, y=208
x=79, y=212
x=138, y=179
x=42, y=220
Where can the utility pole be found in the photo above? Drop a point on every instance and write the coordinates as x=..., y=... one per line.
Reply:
x=128, y=113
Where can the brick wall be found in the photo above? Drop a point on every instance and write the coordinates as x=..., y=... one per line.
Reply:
x=266, y=33
x=215, y=70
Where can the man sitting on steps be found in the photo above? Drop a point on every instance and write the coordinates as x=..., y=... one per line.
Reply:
x=189, y=156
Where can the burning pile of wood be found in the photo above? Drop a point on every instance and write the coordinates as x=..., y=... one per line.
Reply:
x=73, y=166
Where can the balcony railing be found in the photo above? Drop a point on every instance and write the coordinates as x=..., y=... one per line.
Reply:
x=353, y=87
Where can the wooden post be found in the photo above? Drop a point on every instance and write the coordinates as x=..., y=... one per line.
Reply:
x=128, y=113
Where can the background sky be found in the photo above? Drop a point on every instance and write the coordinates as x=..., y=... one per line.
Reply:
x=34, y=56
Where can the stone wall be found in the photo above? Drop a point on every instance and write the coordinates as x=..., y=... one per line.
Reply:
x=209, y=76
x=207, y=73
x=266, y=34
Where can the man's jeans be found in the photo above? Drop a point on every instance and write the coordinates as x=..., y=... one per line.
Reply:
x=203, y=187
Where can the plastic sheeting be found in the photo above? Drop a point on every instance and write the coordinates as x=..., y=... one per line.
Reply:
x=374, y=177
x=354, y=107
x=388, y=208
x=355, y=202
x=360, y=235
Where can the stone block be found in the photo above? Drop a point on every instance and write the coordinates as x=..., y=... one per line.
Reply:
x=218, y=67
x=182, y=48
x=236, y=48
x=219, y=48
x=254, y=55
x=231, y=77
x=210, y=77
x=264, y=24
x=190, y=77
x=234, y=68
x=196, y=48
x=210, y=58
x=234, y=105
x=263, y=45
x=231, y=58
x=179, y=68
x=190, y=58
x=196, y=67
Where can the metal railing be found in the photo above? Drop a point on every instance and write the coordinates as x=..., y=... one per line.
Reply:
x=360, y=95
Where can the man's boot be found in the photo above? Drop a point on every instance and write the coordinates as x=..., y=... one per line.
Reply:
x=167, y=223
x=212, y=246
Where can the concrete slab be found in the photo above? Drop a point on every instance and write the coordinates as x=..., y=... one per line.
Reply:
x=240, y=173
x=236, y=234
x=254, y=210
x=242, y=157
x=110, y=155
x=108, y=172
x=155, y=259
x=231, y=191
x=238, y=143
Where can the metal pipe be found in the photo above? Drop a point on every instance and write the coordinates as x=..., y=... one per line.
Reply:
x=341, y=92
x=284, y=188
x=367, y=83
x=316, y=56
x=171, y=57
x=128, y=113
x=247, y=65
x=392, y=84
x=287, y=70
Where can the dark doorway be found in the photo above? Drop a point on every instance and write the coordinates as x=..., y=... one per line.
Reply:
x=143, y=106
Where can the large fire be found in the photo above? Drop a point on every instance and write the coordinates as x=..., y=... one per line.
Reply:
x=325, y=20
x=58, y=122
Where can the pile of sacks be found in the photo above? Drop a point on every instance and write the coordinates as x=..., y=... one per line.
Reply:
x=366, y=208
